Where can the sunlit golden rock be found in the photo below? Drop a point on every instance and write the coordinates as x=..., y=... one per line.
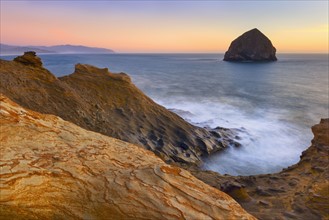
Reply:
x=53, y=169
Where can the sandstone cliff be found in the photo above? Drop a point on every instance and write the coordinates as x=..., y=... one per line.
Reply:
x=53, y=169
x=253, y=45
x=298, y=192
x=108, y=103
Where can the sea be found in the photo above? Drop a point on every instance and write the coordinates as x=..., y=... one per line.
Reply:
x=272, y=105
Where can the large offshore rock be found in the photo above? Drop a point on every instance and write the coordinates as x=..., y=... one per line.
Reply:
x=253, y=45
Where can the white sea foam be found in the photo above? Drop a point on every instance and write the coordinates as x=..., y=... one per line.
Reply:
x=268, y=142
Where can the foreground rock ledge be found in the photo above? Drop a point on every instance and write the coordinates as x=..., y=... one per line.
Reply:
x=253, y=45
x=53, y=169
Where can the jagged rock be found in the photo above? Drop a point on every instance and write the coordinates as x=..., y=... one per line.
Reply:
x=89, y=69
x=53, y=169
x=299, y=192
x=111, y=104
x=29, y=58
x=253, y=45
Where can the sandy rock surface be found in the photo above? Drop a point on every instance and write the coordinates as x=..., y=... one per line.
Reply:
x=53, y=169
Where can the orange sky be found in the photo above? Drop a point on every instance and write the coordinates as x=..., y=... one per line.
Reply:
x=167, y=26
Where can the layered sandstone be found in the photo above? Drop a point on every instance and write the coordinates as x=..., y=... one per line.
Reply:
x=53, y=169
x=108, y=103
x=298, y=192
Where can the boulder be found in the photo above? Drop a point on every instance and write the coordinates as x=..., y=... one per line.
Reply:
x=253, y=45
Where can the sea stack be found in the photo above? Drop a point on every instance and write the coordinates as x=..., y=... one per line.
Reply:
x=253, y=45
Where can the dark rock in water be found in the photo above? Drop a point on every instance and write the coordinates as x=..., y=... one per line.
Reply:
x=29, y=58
x=251, y=46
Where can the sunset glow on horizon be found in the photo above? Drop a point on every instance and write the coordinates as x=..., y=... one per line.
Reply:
x=165, y=26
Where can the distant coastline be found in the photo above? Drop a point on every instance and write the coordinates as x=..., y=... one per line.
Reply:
x=6, y=49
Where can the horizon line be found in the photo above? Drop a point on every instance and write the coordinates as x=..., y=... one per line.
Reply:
x=159, y=53
x=151, y=52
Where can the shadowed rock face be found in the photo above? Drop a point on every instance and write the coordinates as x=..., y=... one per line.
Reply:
x=298, y=192
x=53, y=169
x=108, y=103
x=251, y=46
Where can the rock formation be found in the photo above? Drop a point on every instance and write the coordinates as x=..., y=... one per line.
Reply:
x=253, y=45
x=29, y=58
x=53, y=169
x=108, y=103
x=298, y=192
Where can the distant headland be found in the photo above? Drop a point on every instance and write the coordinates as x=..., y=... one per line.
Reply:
x=58, y=49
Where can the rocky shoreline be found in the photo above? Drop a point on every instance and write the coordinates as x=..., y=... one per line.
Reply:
x=109, y=104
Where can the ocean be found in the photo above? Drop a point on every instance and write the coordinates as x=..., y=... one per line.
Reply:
x=272, y=104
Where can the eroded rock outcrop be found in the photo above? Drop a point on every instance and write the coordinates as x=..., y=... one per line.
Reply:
x=53, y=169
x=298, y=192
x=253, y=45
x=29, y=58
x=111, y=104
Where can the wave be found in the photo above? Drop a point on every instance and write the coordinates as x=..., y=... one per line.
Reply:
x=268, y=143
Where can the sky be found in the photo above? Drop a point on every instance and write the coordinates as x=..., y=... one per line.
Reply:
x=165, y=26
